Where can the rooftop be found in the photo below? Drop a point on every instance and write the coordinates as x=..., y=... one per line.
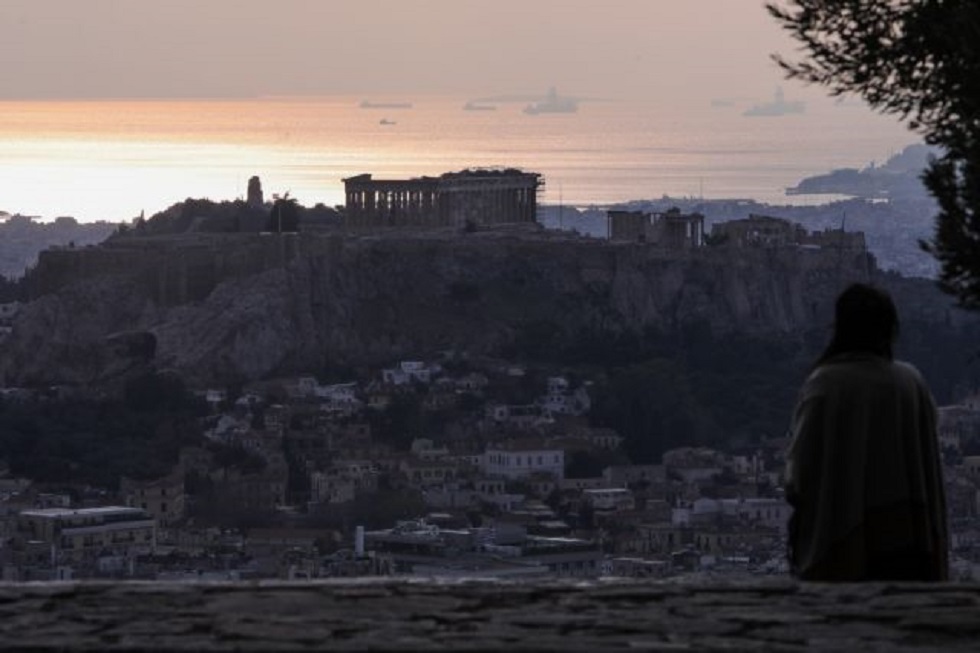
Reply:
x=100, y=511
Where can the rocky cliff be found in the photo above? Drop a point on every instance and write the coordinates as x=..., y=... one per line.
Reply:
x=237, y=308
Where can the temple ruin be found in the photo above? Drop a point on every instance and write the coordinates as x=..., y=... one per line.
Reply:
x=671, y=229
x=456, y=199
x=766, y=231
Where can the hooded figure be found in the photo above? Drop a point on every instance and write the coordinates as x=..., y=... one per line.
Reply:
x=863, y=473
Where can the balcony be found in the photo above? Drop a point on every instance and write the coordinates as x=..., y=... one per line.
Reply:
x=390, y=614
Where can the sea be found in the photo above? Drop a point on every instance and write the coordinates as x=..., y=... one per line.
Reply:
x=116, y=160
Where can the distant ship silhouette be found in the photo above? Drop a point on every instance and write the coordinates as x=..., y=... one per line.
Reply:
x=553, y=103
x=778, y=107
x=368, y=104
x=476, y=106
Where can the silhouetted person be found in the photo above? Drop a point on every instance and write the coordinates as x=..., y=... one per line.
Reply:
x=864, y=474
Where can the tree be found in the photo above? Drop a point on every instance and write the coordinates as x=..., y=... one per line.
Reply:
x=284, y=216
x=919, y=60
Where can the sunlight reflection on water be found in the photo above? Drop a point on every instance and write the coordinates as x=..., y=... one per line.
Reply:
x=111, y=160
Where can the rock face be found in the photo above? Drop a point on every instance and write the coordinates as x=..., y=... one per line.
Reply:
x=243, y=307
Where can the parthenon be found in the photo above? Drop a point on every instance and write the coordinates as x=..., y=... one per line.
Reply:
x=478, y=197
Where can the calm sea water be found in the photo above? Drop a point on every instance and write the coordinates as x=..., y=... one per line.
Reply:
x=112, y=160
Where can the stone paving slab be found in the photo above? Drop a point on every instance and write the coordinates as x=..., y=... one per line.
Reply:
x=404, y=615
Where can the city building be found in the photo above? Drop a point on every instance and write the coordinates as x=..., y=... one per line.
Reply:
x=162, y=498
x=78, y=535
x=522, y=460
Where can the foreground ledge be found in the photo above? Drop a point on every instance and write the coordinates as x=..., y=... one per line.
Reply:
x=486, y=615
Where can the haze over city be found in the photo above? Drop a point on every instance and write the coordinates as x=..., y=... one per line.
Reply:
x=682, y=49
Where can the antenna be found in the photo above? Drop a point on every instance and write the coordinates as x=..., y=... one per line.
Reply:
x=561, y=209
x=840, y=248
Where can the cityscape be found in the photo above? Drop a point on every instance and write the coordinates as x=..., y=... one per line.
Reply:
x=454, y=465
x=401, y=325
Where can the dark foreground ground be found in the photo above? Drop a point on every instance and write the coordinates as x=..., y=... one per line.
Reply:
x=493, y=616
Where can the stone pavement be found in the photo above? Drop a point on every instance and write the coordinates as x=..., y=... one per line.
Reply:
x=386, y=614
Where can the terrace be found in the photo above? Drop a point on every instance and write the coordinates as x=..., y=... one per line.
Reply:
x=764, y=614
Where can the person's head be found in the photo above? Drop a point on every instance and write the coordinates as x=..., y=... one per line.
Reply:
x=865, y=321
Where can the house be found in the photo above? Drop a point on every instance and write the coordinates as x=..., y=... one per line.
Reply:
x=746, y=465
x=520, y=417
x=378, y=397
x=339, y=400
x=442, y=395
x=263, y=490
x=77, y=535
x=632, y=567
x=424, y=472
x=162, y=498
x=771, y=513
x=521, y=460
x=558, y=400
x=581, y=484
x=610, y=499
x=419, y=547
x=302, y=387
x=604, y=438
x=215, y=397
x=630, y=475
x=425, y=449
x=343, y=481
x=229, y=428
x=407, y=372
x=276, y=419
x=663, y=537
x=449, y=495
x=958, y=424
x=473, y=382
x=692, y=465
x=332, y=486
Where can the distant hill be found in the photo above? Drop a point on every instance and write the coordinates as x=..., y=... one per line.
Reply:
x=23, y=237
x=898, y=178
x=686, y=347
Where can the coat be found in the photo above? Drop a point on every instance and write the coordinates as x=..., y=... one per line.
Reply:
x=864, y=475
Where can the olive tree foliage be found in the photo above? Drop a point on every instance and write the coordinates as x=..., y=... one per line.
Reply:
x=919, y=60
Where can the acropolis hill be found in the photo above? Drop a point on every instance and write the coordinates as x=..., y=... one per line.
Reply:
x=244, y=306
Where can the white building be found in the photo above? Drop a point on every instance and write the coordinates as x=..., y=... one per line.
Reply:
x=409, y=372
x=75, y=535
x=559, y=401
x=769, y=512
x=521, y=461
x=610, y=499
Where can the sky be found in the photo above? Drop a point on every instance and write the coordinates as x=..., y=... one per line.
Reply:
x=54, y=49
